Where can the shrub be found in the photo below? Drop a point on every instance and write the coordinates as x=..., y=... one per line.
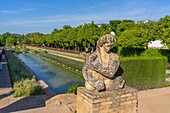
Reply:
x=26, y=87
x=143, y=72
x=151, y=52
x=127, y=52
x=17, y=51
x=46, y=51
x=35, y=51
x=25, y=50
x=72, y=89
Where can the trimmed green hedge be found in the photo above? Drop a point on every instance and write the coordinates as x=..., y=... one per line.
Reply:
x=143, y=72
x=76, y=65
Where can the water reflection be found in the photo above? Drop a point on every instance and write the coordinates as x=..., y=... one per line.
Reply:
x=57, y=78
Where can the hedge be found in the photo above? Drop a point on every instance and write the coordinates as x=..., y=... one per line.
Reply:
x=143, y=72
x=75, y=65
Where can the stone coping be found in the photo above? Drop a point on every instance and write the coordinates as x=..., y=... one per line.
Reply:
x=99, y=95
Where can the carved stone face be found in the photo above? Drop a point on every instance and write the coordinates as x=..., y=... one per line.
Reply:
x=108, y=45
x=106, y=48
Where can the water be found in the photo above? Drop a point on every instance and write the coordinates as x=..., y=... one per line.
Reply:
x=58, y=78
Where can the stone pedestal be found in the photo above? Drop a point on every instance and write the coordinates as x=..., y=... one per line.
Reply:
x=118, y=101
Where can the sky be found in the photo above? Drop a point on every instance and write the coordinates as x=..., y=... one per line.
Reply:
x=27, y=16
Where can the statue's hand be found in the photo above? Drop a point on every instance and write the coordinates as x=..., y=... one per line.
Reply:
x=100, y=86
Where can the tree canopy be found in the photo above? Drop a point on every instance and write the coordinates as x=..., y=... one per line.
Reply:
x=129, y=34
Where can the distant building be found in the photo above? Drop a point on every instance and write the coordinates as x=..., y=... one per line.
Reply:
x=113, y=33
x=99, y=25
x=145, y=21
x=157, y=44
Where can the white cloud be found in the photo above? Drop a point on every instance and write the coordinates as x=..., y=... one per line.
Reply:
x=76, y=19
x=16, y=11
x=98, y=5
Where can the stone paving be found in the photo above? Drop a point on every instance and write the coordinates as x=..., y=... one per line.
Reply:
x=154, y=100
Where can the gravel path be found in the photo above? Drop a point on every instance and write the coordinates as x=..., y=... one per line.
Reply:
x=52, y=52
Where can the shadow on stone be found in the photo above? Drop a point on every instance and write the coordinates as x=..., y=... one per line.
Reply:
x=6, y=94
x=24, y=104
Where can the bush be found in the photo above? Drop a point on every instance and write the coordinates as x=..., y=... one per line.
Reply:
x=151, y=52
x=17, y=51
x=143, y=72
x=73, y=89
x=26, y=87
x=46, y=51
x=35, y=51
x=127, y=52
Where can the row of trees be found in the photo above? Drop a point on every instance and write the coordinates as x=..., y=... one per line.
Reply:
x=129, y=34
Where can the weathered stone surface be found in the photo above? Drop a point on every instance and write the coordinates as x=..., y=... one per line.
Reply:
x=101, y=66
x=112, y=101
x=61, y=99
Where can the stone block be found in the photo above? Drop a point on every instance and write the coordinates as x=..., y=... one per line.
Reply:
x=113, y=101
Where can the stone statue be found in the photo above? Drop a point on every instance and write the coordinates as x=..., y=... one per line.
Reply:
x=101, y=65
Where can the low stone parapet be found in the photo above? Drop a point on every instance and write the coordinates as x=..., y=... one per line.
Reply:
x=117, y=101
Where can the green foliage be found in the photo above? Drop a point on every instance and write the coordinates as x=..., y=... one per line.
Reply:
x=26, y=87
x=151, y=52
x=24, y=84
x=25, y=50
x=114, y=24
x=11, y=40
x=71, y=64
x=132, y=37
x=83, y=37
x=35, y=51
x=166, y=53
x=164, y=25
x=2, y=40
x=46, y=51
x=143, y=72
x=129, y=52
x=73, y=89
x=17, y=50
x=26, y=41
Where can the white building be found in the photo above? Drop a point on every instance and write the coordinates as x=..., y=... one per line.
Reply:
x=157, y=44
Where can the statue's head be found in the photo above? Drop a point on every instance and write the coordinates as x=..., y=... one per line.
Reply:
x=106, y=42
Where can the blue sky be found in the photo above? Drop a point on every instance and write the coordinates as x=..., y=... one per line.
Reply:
x=25, y=16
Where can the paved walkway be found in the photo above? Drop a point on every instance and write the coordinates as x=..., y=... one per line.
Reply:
x=154, y=101
x=4, y=77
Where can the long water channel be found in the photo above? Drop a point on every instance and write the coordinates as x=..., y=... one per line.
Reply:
x=58, y=78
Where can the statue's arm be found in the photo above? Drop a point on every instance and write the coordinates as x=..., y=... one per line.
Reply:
x=89, y=61
x=109, y=71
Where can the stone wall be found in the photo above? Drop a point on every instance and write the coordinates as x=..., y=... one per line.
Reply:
x=118, y=101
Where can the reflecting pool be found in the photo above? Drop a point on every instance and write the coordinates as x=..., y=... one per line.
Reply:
x=58, y=78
